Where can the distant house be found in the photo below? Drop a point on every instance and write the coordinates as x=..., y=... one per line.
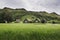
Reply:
x=25, y=21
x=36, y=21
x=28, y=21
x=5, y=21
x=17, y=21
x=31, y=21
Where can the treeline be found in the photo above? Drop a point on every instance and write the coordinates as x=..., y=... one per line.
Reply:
x=10, y=15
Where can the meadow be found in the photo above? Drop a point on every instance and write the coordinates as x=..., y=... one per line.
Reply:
x=21, y=31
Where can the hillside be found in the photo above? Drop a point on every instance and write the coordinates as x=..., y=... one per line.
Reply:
x=9, y=13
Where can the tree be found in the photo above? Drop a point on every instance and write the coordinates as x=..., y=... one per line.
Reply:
x=43, y=21
x=7, y=16
x=1, y=18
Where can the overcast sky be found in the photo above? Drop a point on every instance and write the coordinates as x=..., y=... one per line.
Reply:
x=35, y=5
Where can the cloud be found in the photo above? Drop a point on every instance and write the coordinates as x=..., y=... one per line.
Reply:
x=35, y=5
x=47, y=5
x=2, y=3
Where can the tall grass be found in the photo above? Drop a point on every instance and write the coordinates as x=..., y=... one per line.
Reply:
x=29, y=31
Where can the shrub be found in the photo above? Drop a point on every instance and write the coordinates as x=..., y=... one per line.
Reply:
x=43, y=21
x=53, y=22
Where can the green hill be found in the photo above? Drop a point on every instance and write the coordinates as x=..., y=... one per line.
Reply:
x=10, y=14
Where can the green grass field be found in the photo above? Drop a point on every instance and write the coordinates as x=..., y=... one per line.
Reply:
x=20, y=31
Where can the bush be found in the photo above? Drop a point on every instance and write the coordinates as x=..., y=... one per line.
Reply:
x=43, y=21
x=53, y=22
x=56, y=22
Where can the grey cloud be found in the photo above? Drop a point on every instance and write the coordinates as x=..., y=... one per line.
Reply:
x=38, y=5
